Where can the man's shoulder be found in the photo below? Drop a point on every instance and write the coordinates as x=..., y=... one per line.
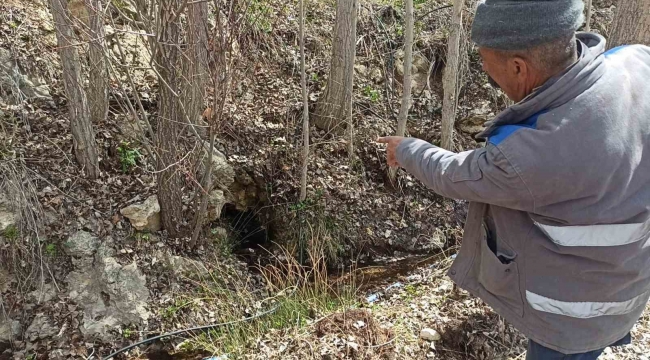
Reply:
x=628, y=53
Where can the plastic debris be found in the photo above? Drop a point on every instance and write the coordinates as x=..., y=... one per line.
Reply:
x=396, y=285
x=372, y=298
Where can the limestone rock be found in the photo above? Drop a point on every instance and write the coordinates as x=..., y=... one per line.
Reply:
x=47, y=293
x=15, y=84
x=145, y=216
x=46, y=22
x=216, y=202
x=223, y=174
x=8, y=217
x=419, y=70
x=105, y=248
x=110, y=295
x=182, y=266
x=81, y=244
x=430, y=334
x=32, y=90
x=361, y=69
x=377, y=76
x=244, y=192
x=477, y=118
x=9, y=329
x=41, y=328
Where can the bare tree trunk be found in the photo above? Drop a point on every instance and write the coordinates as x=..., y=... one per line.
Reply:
x=631, y=23
x=82, y=131
x=197, y=75
x=197, y=71
x=450, y=78
x=167, y=56
x=406, y=93
x=588, y=16
x=305, y=107
x=207, y=187
x=98, y=84
x=350, y=85
x=334, y=105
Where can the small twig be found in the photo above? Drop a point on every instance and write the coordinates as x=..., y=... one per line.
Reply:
x=431, y=11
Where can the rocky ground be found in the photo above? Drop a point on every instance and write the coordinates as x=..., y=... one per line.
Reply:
x=85, y=269
x=420, y=315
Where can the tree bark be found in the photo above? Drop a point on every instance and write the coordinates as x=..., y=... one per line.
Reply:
x=305, y=107
x=197, y=70
x=450, y=78
x=631, y=23
x=349, y=87
x=207, y=187
x=167, y=56
x=98, y=84
x=334, y=105
x=406, y=93
x=588, y=16
x=85, y=149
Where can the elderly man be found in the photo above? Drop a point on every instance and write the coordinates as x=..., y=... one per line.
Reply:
x=556, y=238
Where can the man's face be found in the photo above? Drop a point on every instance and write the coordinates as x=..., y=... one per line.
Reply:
x=508, y=73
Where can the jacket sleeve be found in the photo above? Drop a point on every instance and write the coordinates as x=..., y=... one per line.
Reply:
x=484, y=175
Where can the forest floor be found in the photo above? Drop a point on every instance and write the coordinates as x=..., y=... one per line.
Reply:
x=398, y=240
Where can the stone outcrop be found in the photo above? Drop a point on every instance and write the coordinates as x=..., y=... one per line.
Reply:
x=144, y=216
x=109, y=293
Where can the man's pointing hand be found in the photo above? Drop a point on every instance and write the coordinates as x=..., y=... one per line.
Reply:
x=391, y=148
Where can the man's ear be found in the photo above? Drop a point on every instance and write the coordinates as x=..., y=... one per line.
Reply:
x=519, y=66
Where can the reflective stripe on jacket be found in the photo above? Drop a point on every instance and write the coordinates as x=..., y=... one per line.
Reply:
x=557, y=235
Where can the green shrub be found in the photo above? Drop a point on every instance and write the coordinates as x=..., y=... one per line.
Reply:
x=128, y=156
x=371, y=93
x=11, y=232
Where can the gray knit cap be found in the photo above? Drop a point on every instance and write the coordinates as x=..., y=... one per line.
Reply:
x=521, y=24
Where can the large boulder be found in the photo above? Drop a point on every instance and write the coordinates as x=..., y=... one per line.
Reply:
x=110, y=295
x=81, y=244
x=144, y=216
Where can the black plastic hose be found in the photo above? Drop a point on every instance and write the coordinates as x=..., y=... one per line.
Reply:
x=178, y=332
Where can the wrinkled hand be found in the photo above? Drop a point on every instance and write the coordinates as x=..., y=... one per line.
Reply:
x=392, y=143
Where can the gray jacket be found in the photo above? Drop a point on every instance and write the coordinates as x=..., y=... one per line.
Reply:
x=557, y=235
